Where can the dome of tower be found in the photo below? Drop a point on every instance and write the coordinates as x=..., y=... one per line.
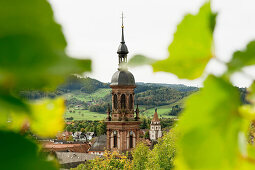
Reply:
x=123, y=77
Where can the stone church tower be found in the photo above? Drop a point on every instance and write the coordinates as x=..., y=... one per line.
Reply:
x=155, y=129
x=122, y=124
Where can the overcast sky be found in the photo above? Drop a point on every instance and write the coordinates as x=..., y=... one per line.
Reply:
x=93, y=30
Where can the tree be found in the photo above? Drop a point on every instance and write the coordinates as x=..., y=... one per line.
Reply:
x=69, y=128
x=147, y=135
x=163, y=154
x=140, y=156
x=111, y=160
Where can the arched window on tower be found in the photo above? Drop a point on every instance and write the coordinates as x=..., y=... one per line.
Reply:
x=115, y=139
x=115, y=101
x=123, y=101
x=131, y=139
x=130, y=101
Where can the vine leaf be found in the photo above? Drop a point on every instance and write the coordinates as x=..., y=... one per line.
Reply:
x=191, y=49
x=251, y=93
x=209, y=127
x=139, y=60
x=47, y=119
x=25, y=153
x=33, y=46
x=192, y=45
x=242, y=58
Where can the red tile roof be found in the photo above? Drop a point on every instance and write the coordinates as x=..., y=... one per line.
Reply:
x=82, y=148
x=155, y=117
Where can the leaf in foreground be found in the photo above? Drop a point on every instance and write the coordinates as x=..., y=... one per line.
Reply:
x=17, y=152
x=243, y=58
x=33, y=46
x=209, y=128
x=139, y=60
x=47, y=119
x=192, y=45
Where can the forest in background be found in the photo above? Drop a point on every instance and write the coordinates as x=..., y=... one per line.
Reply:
x=88, y=99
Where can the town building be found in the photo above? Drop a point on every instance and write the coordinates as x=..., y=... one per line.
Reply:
x=69, y=160
x=155, y=127
x=65, y=147
x=122, y=124
x=99, y=146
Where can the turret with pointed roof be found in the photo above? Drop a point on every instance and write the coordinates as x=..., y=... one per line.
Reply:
x=155, y=117
x=155, y=127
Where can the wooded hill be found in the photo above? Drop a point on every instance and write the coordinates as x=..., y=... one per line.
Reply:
x=87, y=97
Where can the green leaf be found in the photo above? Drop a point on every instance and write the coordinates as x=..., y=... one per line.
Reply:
x=10, y=102
x=192, y=45
x=139, y=60
x=33, y=46
x=47, y=117
x=209, y=127
x=251, y=93
x=242, y=58
x=17, y=152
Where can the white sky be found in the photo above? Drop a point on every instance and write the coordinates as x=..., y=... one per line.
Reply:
x=93, y=30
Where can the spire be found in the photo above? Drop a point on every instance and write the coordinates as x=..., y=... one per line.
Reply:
x=122, y=29
x=122, y=50
x=155, y=117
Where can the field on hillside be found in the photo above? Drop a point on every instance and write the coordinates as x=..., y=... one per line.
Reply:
x=97, y=95
x=85, y=115
x=163, y=111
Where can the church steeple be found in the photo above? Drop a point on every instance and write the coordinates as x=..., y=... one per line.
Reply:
x=122, y=125
x=122, y=50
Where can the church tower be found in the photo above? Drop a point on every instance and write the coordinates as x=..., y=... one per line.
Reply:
x=122, y=123
x=155, y=129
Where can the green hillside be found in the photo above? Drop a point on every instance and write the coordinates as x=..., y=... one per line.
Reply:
x=87, y=98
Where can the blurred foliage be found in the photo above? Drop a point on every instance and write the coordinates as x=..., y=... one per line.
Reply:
x=32, y=56
x=18, y=152
x=215, y=126
x=191, y=49
x=110, y=160
x=242, y=58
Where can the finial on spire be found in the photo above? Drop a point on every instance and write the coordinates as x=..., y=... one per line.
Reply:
x=122, y=20
x=122, y=27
